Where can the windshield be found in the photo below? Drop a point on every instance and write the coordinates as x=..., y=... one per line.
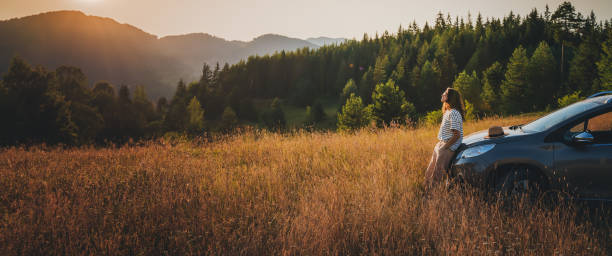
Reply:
x=558, y=116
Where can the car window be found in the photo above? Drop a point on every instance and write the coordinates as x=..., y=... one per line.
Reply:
x=601, y=123
x=578, y=128
x=600, y=127
x=559, y=116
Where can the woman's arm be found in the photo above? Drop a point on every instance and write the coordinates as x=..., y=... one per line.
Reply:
x=452, y=140
x=456, y=123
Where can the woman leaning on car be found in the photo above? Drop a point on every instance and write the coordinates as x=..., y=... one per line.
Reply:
x=450, y=136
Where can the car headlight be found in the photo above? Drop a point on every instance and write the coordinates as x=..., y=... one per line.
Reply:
x=476, y=151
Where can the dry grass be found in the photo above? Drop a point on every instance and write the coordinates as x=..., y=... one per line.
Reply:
x=262, y=193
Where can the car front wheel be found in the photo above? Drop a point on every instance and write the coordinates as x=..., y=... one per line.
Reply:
x=517, y=183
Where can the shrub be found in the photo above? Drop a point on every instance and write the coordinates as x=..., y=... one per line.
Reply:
x=433, y=117
x=469, y=111
x=569, y=99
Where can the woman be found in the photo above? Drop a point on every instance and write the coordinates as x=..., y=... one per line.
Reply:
x=450, y=136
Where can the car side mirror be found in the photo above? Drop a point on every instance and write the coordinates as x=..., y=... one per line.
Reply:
x=583, y=138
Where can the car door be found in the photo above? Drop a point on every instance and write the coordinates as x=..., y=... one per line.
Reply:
x=586, y=168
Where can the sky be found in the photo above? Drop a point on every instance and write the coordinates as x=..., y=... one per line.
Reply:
x=246, y=19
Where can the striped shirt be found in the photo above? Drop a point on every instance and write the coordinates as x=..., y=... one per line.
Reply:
x=451, y=120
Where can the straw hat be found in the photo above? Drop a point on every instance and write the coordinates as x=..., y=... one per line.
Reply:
x=495, y=131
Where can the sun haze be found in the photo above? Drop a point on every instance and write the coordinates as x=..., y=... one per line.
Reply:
x=246, y=19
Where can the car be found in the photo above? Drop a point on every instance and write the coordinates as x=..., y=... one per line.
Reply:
x=567, y=150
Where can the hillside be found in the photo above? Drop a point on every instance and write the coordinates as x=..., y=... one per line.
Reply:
x=123, y=54
x=194, y=49
x=321, y=41
x=101, y=47
x=260, y=193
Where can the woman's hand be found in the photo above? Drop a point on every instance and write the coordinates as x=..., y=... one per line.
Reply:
x=452, y=140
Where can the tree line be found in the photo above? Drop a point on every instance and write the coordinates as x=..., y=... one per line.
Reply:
x=503, y=65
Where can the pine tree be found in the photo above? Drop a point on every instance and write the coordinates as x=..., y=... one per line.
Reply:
x=366, y=85
x=131, y=122
x=349, y=88
x=124, y=95
x=105, y=100
x=344, y=71
x=566, y=22
x=604, y=66
x=424, y=54
x=380, y=69
x=206, y=79
x=492, y=78
x=390, y=105
x=428, y=87
x=475, y=61
x=479, y=30
x=514, y=89
x=470, y=113
x=440, y=23
x=542, y=77
x=175, y=119
x=447, y=67
x=216, y=76
x=161, y=107
x=470, y=88
x=196, y=116
x=354, y=114
x=142, y=104
x=400, y=75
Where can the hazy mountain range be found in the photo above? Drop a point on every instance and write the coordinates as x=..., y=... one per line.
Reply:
x=320, y=41
x=123, y=54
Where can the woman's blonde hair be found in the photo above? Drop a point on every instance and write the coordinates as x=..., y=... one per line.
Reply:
x=454, y=100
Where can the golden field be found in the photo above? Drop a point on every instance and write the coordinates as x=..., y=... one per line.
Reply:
x=260, y=193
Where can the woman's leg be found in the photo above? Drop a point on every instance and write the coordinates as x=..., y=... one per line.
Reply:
x=444, y=158
x=429, y=173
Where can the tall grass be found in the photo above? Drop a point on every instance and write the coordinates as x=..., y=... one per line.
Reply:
x=260, y=193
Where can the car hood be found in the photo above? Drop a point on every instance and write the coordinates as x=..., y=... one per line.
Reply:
x=479, y=137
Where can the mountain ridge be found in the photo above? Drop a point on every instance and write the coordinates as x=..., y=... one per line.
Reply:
x=120, y=53
x=322, y=40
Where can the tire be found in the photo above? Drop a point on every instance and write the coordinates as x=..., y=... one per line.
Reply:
x=519, y=182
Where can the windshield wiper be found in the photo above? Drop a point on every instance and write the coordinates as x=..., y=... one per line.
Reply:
x=514, y=127
x=518, y=126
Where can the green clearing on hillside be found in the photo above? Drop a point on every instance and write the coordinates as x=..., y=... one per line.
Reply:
x=296, y=116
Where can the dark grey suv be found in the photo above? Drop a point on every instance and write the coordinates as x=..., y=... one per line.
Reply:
x=568, y=150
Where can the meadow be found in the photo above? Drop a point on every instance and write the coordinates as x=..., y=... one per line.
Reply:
x=263, y=193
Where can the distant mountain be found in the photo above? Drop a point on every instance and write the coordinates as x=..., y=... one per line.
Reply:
x=195, y=49
x=123, y=54
x=321, y=41
x=269, y=43
x=101, y=47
